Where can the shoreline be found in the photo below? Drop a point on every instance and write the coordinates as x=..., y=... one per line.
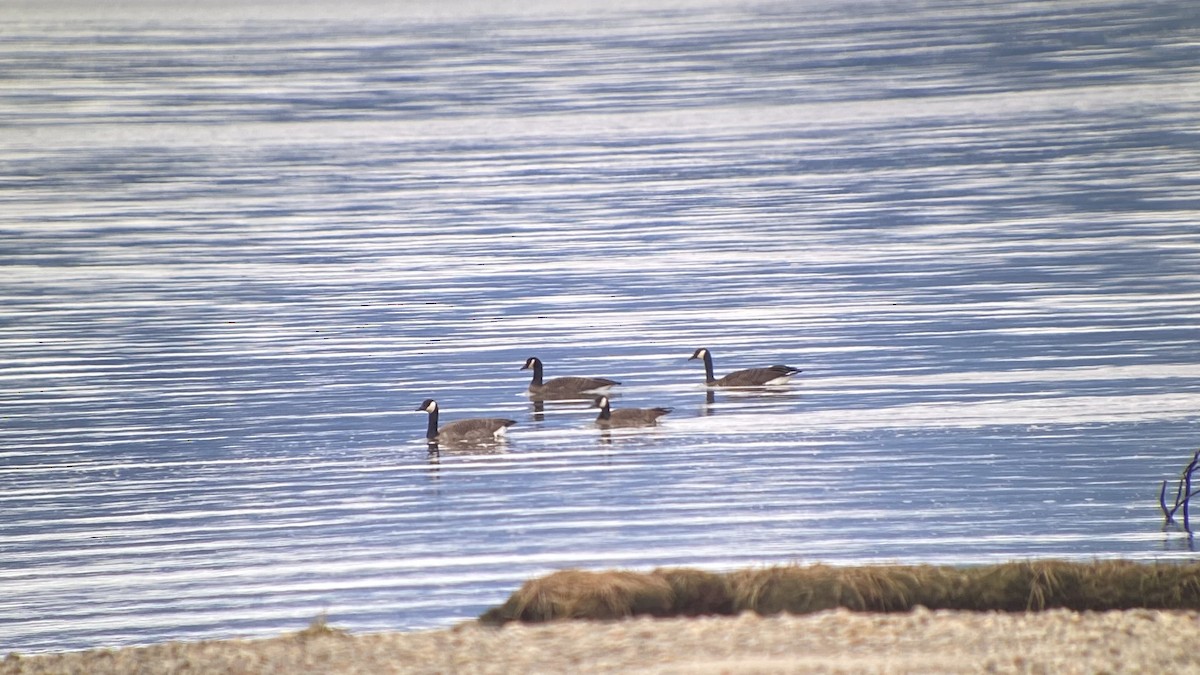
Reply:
x=1041, y=616
x=839, y=640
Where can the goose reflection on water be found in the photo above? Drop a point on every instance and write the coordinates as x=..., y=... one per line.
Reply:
x=743, y=395
x=539, y=404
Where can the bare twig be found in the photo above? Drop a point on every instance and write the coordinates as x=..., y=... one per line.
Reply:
x=1187, y=476
x=1183, y=495
x=1168, y=516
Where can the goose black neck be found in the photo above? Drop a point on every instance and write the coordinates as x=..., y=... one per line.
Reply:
x=605, y=412
x=431, y=430
x=537, y=373
x=708, y=368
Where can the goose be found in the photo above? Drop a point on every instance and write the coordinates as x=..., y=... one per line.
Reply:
x=564, y=387
x=750, y=377
x=476, y=430
x=627, y=417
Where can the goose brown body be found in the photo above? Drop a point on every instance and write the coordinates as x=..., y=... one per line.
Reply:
x=468, y=431
x=749, y=377
x=564, y=387
x=627, y=417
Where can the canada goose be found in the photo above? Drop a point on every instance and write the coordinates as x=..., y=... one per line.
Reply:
x=627, y=417
x=750, y=377
x=476, y=430
x=564, y=387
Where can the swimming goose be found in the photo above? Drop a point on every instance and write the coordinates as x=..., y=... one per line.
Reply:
x=750, y=377
x=564, y=387
x=627, y=417
x=476, y=430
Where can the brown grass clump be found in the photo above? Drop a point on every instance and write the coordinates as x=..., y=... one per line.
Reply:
x=1024, y=586
x=1099, y=586
x=696, y=592
x=1009, y=587
x=319, y=628
x=801, y=590
x=576, y=594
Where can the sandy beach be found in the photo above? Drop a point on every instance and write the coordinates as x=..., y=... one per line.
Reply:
x=838, y=641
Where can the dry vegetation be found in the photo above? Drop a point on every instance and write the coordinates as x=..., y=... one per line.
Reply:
x=1008, y=587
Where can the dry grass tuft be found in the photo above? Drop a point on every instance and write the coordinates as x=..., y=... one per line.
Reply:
x=318, y=628
x=1022, y=586
x=801, y=590
x=576, y=594
x=1099, y=586
x=783, y=589
x=696, y=592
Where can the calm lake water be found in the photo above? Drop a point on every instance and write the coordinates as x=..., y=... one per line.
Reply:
x=240, y=246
